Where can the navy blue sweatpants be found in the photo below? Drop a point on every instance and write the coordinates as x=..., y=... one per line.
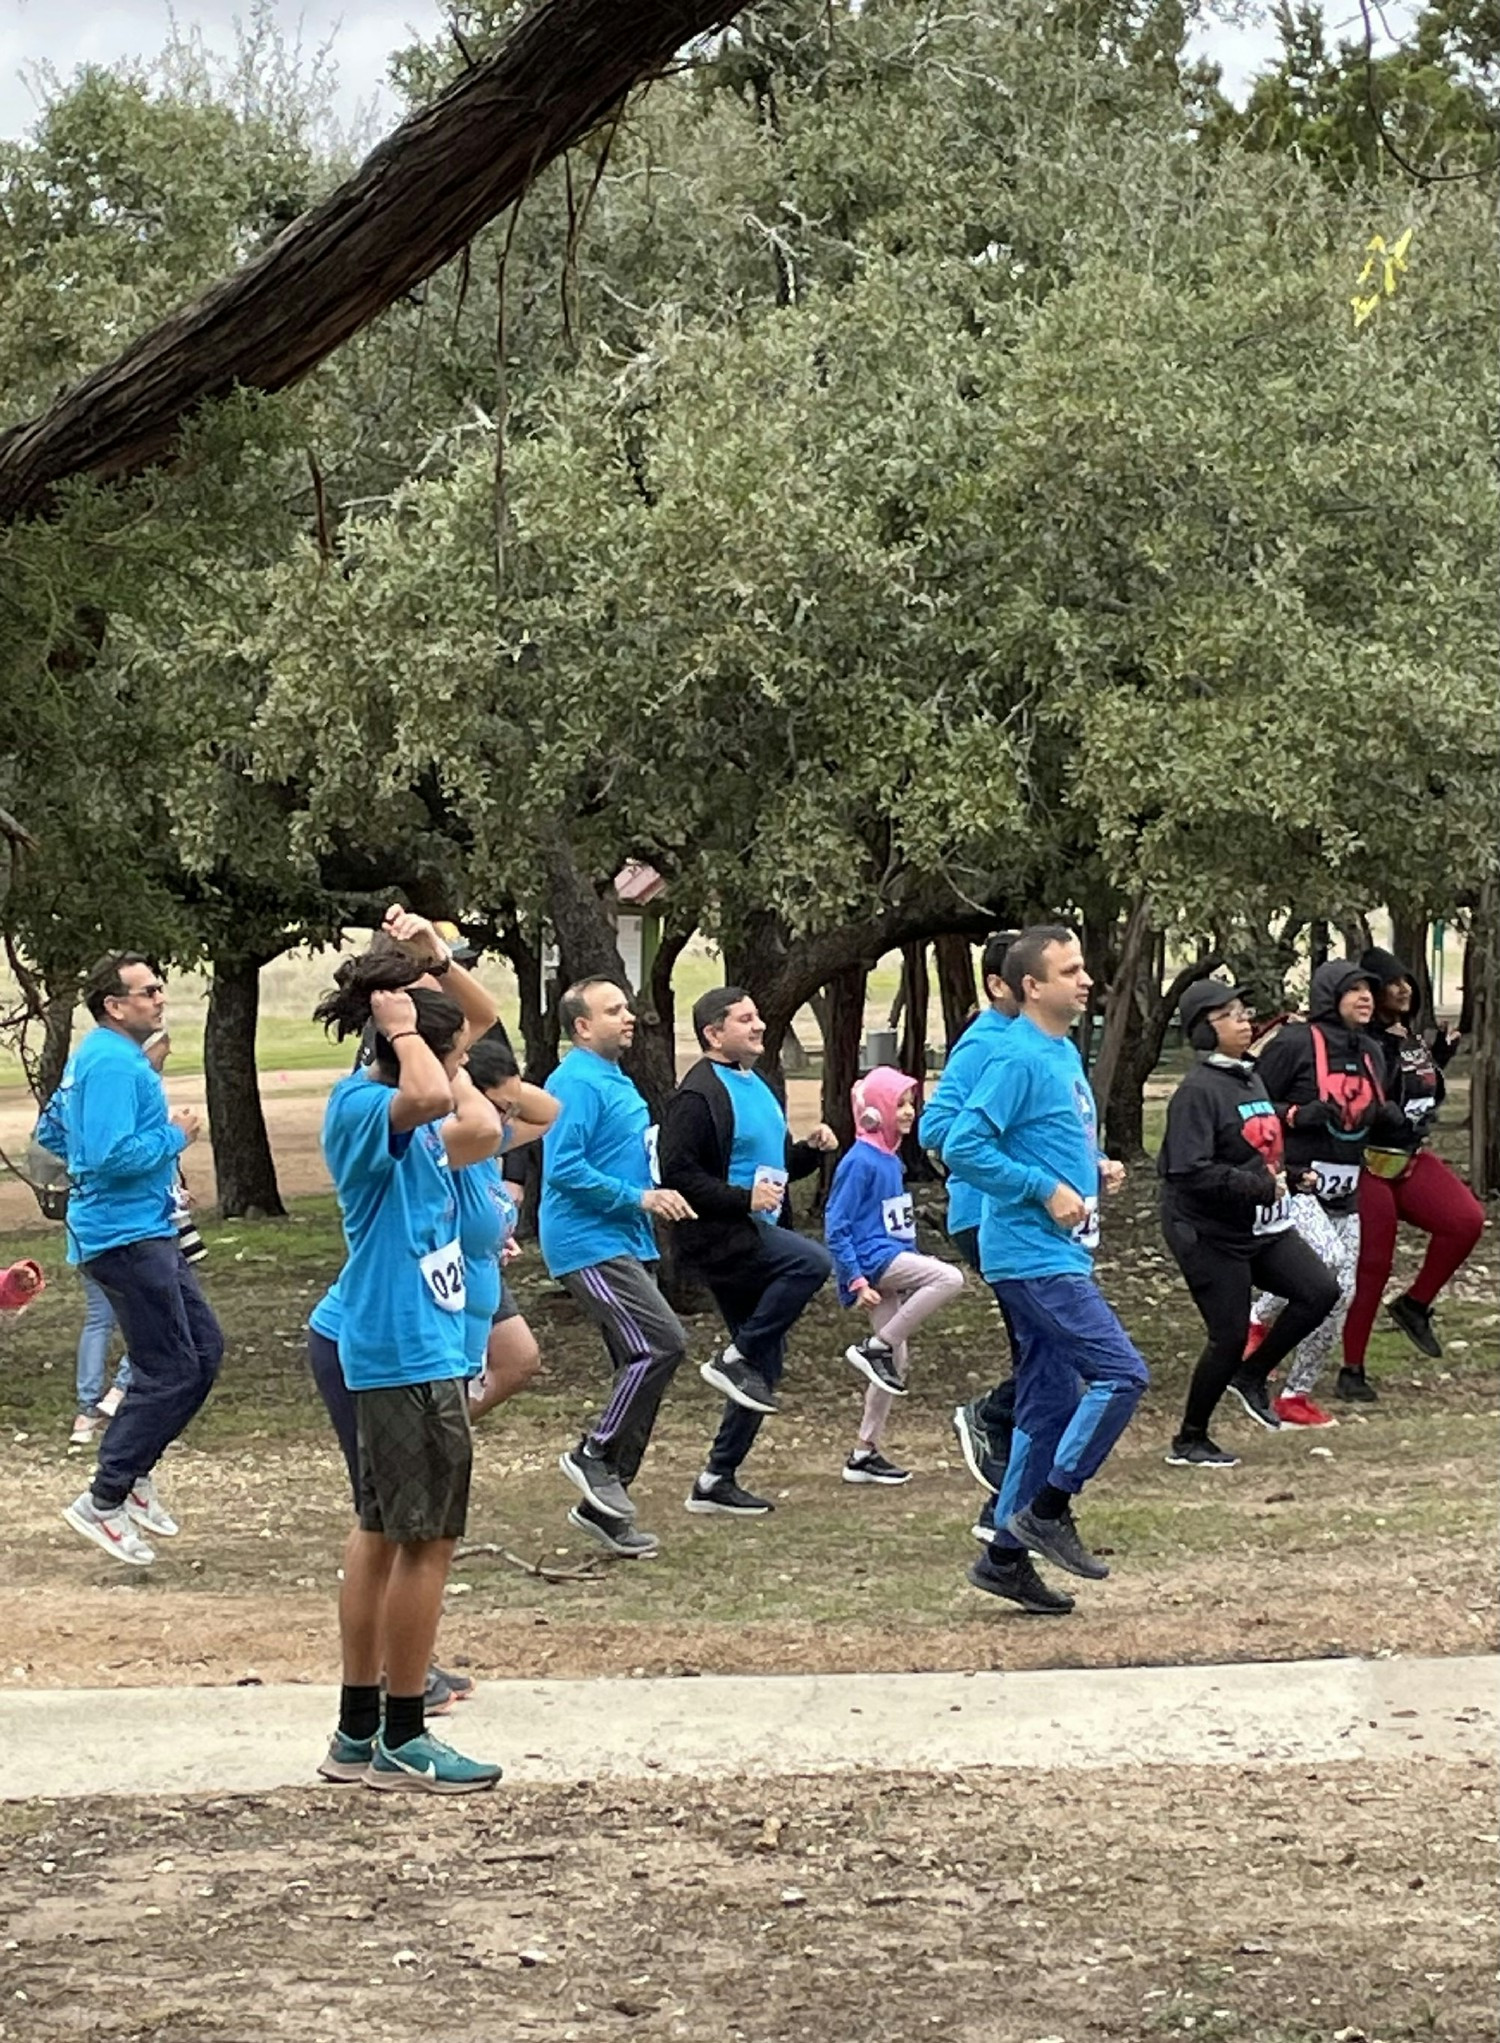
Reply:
x=175, y=1346
x=1078, y=1382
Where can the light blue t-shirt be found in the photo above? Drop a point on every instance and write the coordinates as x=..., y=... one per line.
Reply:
x=599, y=1155
x=486, y=1214
x=108, y=1121
x=971, y=1055
x=400, y=1305
x=1028, y=1127
x=758, y=1151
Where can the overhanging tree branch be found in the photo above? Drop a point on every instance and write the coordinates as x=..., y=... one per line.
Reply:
x=412, y=205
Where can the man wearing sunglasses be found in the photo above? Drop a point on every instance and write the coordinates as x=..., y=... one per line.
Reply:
x=109, y=1117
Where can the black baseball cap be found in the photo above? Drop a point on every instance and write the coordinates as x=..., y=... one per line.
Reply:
x=1207, y=996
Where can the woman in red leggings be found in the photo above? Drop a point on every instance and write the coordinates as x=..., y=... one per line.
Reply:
x=1420, y=1189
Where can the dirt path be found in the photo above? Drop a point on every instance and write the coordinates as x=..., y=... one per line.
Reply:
x=248, y=1740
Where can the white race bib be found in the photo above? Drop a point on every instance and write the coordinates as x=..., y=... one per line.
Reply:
x=443, y=1274
x=1336, y=1180
x=1274, y=1219
x=653, y=1162
x=899, y=1218
x=1086, y=1233
x=767, y=1174
x=1420, y=1112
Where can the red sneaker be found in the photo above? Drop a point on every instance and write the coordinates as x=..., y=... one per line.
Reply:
x=1254, y=1338
x=1294, y=1408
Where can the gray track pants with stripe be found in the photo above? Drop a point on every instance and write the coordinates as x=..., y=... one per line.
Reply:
x=645, y=1342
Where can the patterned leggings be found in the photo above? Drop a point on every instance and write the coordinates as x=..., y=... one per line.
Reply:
x=1334, y=1240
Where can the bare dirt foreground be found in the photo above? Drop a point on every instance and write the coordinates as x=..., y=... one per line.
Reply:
x=1244, y=1905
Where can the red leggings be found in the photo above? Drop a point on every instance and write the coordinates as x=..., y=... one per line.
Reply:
x=1430, y=1197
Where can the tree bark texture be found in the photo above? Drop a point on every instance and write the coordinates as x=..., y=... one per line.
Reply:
x=954, y=959
x=916, y=984
x=846, y=1016
x=411, y=206
x=1482, y=985
x=1409, y=927
x=1120, y=1014
x=244, y=1169
x=57, y=1041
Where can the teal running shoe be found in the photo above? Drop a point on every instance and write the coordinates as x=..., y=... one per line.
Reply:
x=348, y=1758
x=426, y=1766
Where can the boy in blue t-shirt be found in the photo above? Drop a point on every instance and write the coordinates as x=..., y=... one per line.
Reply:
x=401, y=1348
x=1028, y=1141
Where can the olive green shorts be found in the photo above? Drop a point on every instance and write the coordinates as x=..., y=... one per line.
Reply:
x=415, y=1458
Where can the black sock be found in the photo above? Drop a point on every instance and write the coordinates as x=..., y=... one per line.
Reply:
x=404, y=1720
x=359, y=1710
x=1050, y=1502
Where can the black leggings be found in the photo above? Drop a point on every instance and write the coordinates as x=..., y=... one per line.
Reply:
x=323, y=1357
x=1222, y=1285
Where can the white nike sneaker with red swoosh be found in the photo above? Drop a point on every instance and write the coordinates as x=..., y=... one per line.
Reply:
x=147, y=1510
x=110, y=1530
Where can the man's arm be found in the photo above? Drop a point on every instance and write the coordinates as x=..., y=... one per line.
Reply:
x=567, y=1160
x=51, y=1129
x=974, y=1151
x=107, y=1139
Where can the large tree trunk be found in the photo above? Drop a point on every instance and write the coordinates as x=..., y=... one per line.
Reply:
x=57, y=1040
x=954, y=958
x=916, y=984
x=244, y=1169
x=538, y=1014
x=412, y=205
x=1120, y=1015
x=1151, y=1014
x=1409, y=926
x=841, y=1045
x=1482, y=986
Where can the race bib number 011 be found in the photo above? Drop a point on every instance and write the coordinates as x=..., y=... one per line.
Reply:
x=1274, y=1219
x=443, y=1274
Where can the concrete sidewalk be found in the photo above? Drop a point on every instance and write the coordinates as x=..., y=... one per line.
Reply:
x=144, y=1741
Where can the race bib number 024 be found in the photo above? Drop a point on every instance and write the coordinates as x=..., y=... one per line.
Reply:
x=443, y=1274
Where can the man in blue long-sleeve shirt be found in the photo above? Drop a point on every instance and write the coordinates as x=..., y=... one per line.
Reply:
x=109, y=1119
x=599, y=1196
x=1028, y=1141
x=983, y=1425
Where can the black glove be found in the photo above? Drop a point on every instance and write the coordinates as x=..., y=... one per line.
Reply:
x=1311, y=1114
x=1388, y=1123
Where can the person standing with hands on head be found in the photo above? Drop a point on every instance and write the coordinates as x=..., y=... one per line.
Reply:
x=871, y=1231
x=1028, y=1141
x=1403, y=1178
x=599, y=1197
x=1226, y=1213
x=123, y=1150
x=402, y=1353
x=727, y=1149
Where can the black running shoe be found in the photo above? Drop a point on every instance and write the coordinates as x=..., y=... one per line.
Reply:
x=1254, y=1393
x=725, y=1497
x=1017, y=1581
x=741, y=1383
x=617, y=1536
x=876, y=1364
x=1355, y=1388
x=592, y=1474
x=1056, y=1539
x=985, y=1449
x=874, y=1468
x=1415, y=1321
x=1199, y=1454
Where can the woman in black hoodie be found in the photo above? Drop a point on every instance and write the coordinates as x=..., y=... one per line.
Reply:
x=1324, y=1075
x=1226, y=1213
x=1403, y=1179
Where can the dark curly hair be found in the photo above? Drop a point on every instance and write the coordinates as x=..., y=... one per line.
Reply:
x=346, y=1011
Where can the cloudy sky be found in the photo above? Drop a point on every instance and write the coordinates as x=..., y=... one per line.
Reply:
x=65, y=33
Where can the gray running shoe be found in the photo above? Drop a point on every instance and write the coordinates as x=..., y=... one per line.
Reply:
x=1056, y=1539
x=113, y=1531
x=876, y=1364
x=1017, y=1581
x=740, y=1381
x=592, y=1474
x=625, y=1541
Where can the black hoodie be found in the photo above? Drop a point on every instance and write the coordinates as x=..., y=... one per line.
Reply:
x=1327, y=1119
x=694, y=1148
x=1219, y=1157
x=1411, y=1070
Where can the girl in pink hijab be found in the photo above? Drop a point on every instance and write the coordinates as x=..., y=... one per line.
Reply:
x=872, y=1236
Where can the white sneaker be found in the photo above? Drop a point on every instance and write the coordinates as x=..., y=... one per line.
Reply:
x=111, y=1530
x=147, y=1509
x=111, y=1401
x=83, y=1430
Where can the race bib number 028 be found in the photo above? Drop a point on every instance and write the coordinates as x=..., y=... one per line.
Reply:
x=443, y=1274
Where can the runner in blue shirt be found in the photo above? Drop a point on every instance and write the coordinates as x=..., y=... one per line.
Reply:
x=401, y=1349
x=1028, y=1141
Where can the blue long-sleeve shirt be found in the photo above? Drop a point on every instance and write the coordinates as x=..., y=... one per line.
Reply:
x=1029, y=1127
x=971, y=1056
x=108, y=1120
x=868, y=1220
x=598, y=1159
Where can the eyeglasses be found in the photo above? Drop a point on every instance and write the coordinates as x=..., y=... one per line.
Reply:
x=1237, y=1011
x=140, y=992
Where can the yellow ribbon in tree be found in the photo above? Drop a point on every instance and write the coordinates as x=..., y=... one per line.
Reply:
x=1380, y=275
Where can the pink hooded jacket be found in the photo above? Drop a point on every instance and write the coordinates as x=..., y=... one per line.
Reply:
x=876, y=1097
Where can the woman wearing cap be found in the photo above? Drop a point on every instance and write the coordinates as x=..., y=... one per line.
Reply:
x=1324, y=1075
x=1227, y=1218
x=1403, y=1179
